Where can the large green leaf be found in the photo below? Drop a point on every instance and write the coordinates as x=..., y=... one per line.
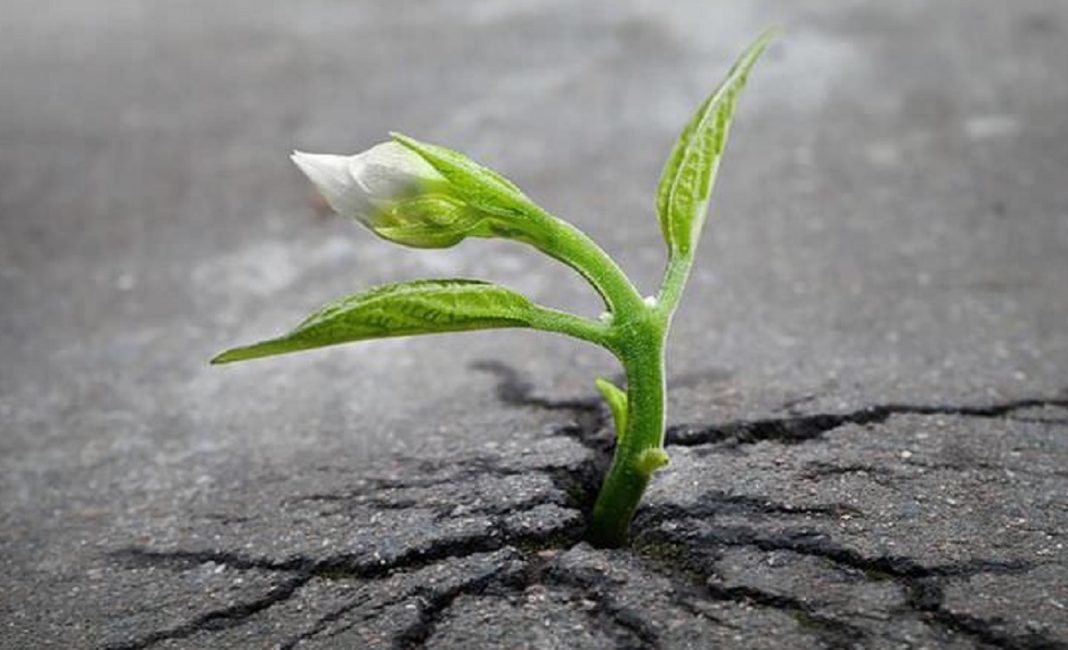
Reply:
x=686, y=182
x=404, y=309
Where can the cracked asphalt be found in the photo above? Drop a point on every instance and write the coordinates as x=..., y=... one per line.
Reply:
x=868, y=406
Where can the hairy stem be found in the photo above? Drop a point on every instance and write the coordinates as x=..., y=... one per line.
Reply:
x=675, y=276
x=639, y=344
x=561, y=322
x=639, y=450
x=575, y=248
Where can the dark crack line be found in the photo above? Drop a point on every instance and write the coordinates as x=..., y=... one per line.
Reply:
x=325, y=620
x=689, y=581
x=927, y=598
x=434, y=605
x=987, y=632
x=891, y=478
x=591, y=414
x=339, y=613
x=355, y=566
x=181, y=560
x=715, y=503
x=813, y=544
x=224, y=518
x=304, y=568
x=509, y=580
x=347, y=566
x=220, y=619
x=588, y=429
x=835, y=633
x=686, y=602
x=513, y=390
x=441, y=511
x=923, y=584
x=334, y=568
x=924, y=597
x=801, y=428
x=574, y=487
x=372, y=487
x=637, y=632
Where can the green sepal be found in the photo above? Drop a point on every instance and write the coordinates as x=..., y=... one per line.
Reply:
x=686, y=182
x=480, y=186
x=617, y=402
x=403, y=309
x=429, y=221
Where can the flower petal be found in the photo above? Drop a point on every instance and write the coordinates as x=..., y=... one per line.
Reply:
x=331, y=176
x=391, y=172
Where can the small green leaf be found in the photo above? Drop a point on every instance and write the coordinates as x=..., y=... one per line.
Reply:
x=404, y=309
x=651, y=460
x=617, y=402
x=686, y=182
x=480, y=186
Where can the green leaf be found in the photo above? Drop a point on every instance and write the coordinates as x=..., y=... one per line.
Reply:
x=480, y=186
x=651, y=460
x=686, y=182
x=404, y=309
x=617, y=402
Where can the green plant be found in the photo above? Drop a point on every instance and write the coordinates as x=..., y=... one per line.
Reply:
x=426, y=196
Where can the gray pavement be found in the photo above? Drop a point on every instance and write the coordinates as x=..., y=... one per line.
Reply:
x=868, y=394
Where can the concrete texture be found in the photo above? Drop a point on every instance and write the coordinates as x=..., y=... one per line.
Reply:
x=868, y=407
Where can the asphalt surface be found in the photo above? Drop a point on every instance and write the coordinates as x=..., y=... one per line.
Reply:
x=867, y=374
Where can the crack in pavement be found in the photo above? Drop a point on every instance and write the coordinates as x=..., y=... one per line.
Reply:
x=815, y=544
x=922, y=584
x=927, y=598
x=835, y=633
x=797, y=429
x=323, y=622
x=579, y=483
x=924, y=597
x=637, y=633
x=434, y=604
x=219, y=619
x=339, y=566
x=717, y=502
x=512, y=389
x=303, y=568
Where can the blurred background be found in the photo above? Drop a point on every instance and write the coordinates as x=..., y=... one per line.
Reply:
x=890, y=222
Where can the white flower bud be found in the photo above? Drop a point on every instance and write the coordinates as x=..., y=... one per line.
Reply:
x=394, y=192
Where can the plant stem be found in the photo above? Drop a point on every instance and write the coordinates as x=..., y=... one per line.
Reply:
x=639, y=344
x=639, y=451
x=675, y=276
x=575, y=249
x=552, y=320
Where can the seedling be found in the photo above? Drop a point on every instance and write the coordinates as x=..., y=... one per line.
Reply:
x=425, y=196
